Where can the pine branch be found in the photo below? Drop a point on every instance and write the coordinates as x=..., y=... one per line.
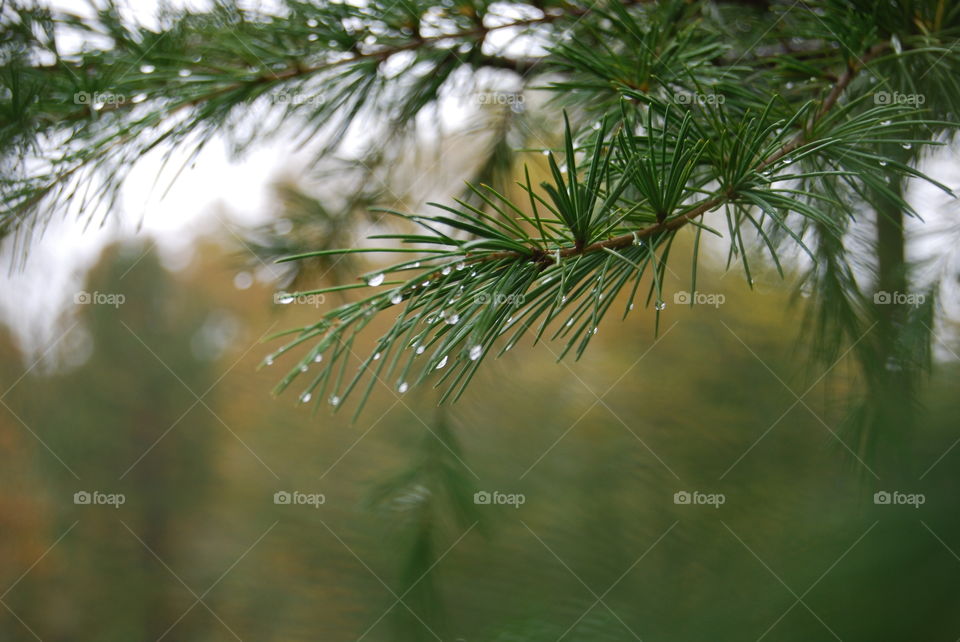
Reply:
x=566, y=269
x=173, y=97
x=708, y=205
x=787, y=148
x=299, y=71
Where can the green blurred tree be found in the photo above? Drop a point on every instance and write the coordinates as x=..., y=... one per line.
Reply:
x=131, y=427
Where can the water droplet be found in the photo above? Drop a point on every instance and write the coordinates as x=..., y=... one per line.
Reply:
x=183, y=73
x=396, y=298
x=897, y=45
x=420, y=349
x=242, y=280
x=569, y=323
x=442, y=363
x=630, y=307
x=475, y=352
x=883, y=163
x=425, y=284
x=285, y=299
x=375, y=280
x=416, y=264
x=313, y=37
x=269, y=360
x=304, y=368
x=886, y=123
x=312, y=23
x=509, y=320
x=318, y=358
x=453, y=318
x=906, y=145
x=139, y=98
x=545, y=152
x=461, y=266
x=334, y=400
x=305, y=397
x=403, y=387
x=595, y=330
x=376, y=356
x=147, y=69
x=661, y=304
x=446, y=270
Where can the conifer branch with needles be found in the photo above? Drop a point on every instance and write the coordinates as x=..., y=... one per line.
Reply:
x=579, y=244
x=786, y=121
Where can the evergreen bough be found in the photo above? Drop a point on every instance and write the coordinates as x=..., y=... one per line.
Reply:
x=773, y=125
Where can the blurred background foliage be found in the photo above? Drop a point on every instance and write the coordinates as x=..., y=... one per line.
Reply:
x=161, y=399
x=399, y=518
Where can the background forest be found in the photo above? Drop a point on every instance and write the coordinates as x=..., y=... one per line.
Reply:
x=744, y=209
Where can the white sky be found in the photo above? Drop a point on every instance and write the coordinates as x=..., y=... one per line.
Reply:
x=57, y=262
